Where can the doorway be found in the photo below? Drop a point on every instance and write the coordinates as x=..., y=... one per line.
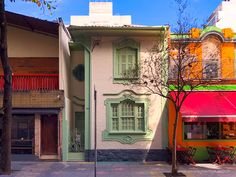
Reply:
x=49, y=135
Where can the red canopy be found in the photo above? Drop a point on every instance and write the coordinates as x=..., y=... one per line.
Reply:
x=210, y=106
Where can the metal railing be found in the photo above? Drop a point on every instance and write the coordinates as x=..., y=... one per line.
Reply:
x=38, y=82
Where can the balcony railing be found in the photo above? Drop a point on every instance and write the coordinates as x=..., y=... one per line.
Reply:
x=37, y=82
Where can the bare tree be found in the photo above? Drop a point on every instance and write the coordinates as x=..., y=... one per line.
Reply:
x=7, y=96
x=172, y=68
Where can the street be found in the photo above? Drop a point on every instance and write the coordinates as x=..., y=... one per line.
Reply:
x=116, y=169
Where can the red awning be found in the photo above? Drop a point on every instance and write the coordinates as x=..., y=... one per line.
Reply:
x=210, y=106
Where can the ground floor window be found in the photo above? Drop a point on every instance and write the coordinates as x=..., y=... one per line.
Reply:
x=22, y=134
x=127, y=119
x=209, y=130
x=126, y=115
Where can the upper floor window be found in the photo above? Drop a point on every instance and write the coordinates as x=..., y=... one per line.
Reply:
x=211, y=54
x=211, y=70
x=126, y=56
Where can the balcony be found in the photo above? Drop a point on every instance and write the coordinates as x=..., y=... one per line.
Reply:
x=32, y=82
x=34, y=91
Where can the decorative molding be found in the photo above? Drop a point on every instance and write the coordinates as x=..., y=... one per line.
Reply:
x=128, y=138
x=126, y=90
x=122, y=43
x=118, y=45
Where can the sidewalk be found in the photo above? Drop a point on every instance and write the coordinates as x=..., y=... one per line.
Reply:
x=118, y=169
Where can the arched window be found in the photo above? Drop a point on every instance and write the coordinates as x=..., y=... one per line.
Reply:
x=211, y=46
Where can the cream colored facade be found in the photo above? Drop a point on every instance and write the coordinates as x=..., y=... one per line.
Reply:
x=103, y=80
x=89, y=42
x=25, y=43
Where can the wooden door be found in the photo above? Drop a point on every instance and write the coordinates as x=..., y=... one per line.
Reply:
x=49, y=134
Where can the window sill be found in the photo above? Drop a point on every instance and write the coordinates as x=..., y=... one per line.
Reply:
x=127, y=132
x=128, y=137
x=125, y=80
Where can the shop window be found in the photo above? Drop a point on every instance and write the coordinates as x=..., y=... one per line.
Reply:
x=228, y=130
x=209, y=130
x=22, y=127
x=126, y=55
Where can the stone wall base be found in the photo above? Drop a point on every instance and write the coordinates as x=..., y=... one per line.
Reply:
x=117, y=155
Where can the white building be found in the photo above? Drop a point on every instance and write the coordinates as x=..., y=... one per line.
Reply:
x=101, y=14
x=224, y=16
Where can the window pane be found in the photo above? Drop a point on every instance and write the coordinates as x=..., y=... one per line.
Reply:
x=228, y=130
x=194, y=130
x=22, y=131
x=128, y=123
x=213, y=130
x=114, y=110
x=115, y=124
x=127, y=109
x=140, y=124
x=115, y=119
x=211, y=70
x=127, y=116
x=140, y=117
x=201, y=130
x=126, y=61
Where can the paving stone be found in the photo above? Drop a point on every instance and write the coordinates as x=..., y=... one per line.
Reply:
x=116, y=169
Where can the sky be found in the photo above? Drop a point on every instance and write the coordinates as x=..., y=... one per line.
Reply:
x=143, y=12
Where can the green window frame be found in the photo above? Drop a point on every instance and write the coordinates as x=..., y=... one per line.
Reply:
x=127, y=119
x=126, y=59
x=127, y=116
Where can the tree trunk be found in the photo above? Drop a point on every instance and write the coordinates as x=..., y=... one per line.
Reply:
x=7, y=96
x=174, y=170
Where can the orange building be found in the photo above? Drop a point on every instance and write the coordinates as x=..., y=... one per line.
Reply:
x=208, y=115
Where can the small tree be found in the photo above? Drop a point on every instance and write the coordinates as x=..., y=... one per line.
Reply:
x=172, y=69
x=7, y=96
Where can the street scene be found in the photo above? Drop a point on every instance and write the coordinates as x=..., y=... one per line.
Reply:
x=106, y=88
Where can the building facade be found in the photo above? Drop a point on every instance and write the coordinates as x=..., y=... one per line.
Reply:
x=37, y=101
x=223, y=16
x=131, y=125
x=208, y=114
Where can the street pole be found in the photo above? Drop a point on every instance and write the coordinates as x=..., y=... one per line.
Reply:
x=95, y=132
